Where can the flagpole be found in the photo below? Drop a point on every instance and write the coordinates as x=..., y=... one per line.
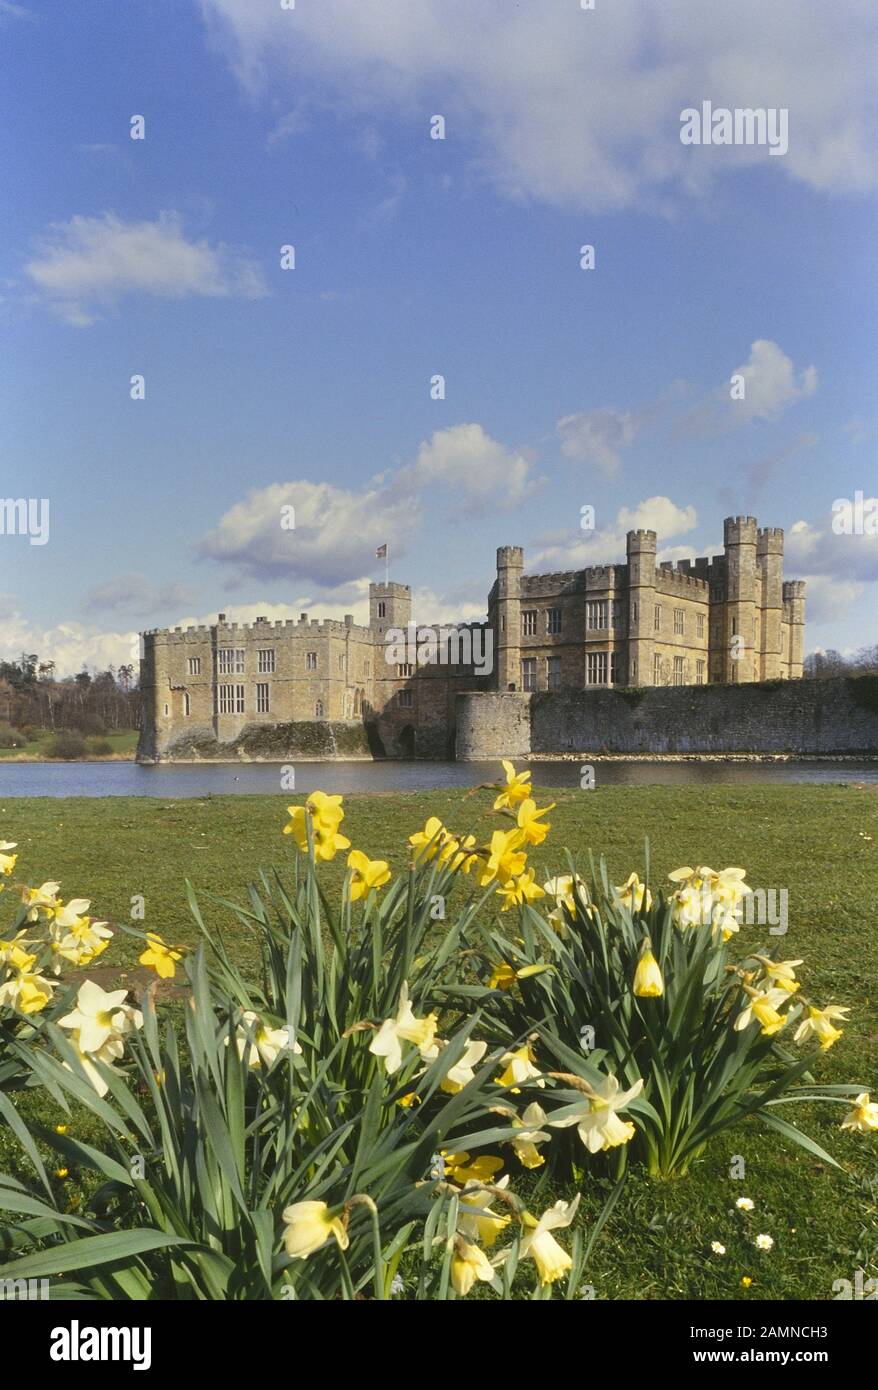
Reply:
x=387, y=565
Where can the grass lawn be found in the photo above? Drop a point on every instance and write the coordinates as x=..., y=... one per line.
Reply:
x=818, y=842
x=123, y=743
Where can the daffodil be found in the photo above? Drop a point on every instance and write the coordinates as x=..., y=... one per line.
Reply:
x=99, y=1015
x=539, y=1245
x=82, y=943
x=26, y=990
x=427, y=843
x=633, y=894
x=161, y=957
x=525, y=1143
x=863, y=1116
x=464, y=855
x=309, y=1225
x=41, y=902
x=530, y=822
x=475, y=1217
x=819, y=1023
x=782, y=973
x=562, y=889
x=325, y=814
x=463, y=1070
x=366, y=874
x=648, y=982
x=462, y=1168
x=506, y=859
x=763, y=1009
x=387, y=1042
x=708, y=898
x=469, y=1263
x=260, y=1044
x=516, y=788
x=502, y=976
x=109, y=1053
x=517, y=891
x=597, y=1115
x=7, y=860
x=519, y=1067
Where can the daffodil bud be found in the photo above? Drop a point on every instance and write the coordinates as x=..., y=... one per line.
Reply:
x=648, y=982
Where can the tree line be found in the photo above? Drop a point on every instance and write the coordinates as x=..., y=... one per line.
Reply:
x=32, y=697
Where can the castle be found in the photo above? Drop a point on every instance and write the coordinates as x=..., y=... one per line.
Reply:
x=728, y=619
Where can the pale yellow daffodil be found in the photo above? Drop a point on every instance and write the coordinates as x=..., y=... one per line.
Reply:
x=309, y=1225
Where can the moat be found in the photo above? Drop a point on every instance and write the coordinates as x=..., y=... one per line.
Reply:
x=222, y=779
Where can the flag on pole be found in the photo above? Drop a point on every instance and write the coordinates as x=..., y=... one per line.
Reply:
x=381, y=552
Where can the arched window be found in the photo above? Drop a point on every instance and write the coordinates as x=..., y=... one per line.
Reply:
x=318, y=710
x=186, y=706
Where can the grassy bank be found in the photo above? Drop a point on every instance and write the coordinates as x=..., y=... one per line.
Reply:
x=818, y=842
x=122, y=742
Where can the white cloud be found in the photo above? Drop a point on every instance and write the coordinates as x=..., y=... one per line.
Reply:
x=474, y=470
x=337, y=531
x=71, y=645
x=607, y=546
x=583, y=108
x=814, y=548
x=770, y=385
x=828, y=599
x=92, y=262
x=598, y=437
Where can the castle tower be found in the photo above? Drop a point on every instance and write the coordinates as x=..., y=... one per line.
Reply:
x=794, y=621
x=769, y=560
x=507, y=638
x=740, y=639
x=390, y=605
x=641, y=547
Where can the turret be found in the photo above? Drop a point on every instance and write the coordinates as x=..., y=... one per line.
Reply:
x=390, y=605
x=794, y=622
x=740, y=636
x=769, y=562
x=507, y=616
x=641, y=548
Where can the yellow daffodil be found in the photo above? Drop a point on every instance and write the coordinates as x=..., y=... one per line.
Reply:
x=463, y=856
x=530, y=822
x=459, y=1167
x=506, y=859
x=525, y=1143
x=7, y=860
x=539, y=1245
x=469, y=1263
x=427, y=843
x=162, y=958
x=648, y=982
x=309, y=1225
x=597, y=1115
x=516, y=788
x=520, y=890
x=819, y=1024
x=562, y=889
x=476, y=1218
x=864, y=1115
x=708, y=898
x=367, y=874
x=387, y=1042
x=782, y=973
x=41, y=902
x=502, y=976
x=463, y=1070
x=13, y=953
x=26, y=991
x=519, y=1067
x=634, y=894
x=325, y=814
x=763, y=1009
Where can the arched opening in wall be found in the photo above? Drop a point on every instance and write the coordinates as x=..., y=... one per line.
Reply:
x=318, y=710
x=407, y=741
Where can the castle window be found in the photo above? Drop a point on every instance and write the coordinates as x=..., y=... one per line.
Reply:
x=678, y=622
x=614, y=668
x=262, y=698
x=596, y=668
x=634, y=613
x=678, y=670
x=699, y=625
x=529, y=673
x=699, y=673
x=167, y=710
x=195, y=665
x=405, y=670
x=553, y=673
x=311, y=661
x=265, y=663
x=632, y=668
x=529, y=622
x=186, y=706
x=406, y=699
x=597, y=613
x=231, y=661
x=382, y=609
x=657, y=618
x=367, y=669
x=656, y=670
x=230, y=699
x=318, y=710
x=617, y=613
x=341, y=661
x=553, y=620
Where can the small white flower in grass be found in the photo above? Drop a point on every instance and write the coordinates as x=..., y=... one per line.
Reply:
x=745, y=1204
x=717, y=1247
x=763, y=1242
x=396, y=1285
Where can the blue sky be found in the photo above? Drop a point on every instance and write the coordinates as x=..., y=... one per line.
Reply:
x=563, y=387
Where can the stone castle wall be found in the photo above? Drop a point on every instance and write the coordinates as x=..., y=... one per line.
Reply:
x=803, y=717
